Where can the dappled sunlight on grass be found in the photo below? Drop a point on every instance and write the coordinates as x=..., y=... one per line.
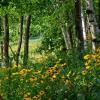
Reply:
x=33, y=46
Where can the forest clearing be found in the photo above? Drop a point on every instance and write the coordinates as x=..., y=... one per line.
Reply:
x=49, y=49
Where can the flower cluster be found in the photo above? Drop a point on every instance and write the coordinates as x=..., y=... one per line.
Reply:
x=91, y=61
x=51, y=81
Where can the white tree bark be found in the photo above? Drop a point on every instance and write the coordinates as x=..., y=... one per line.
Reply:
x=66, y=38
x=83, y=27
x=92, y=23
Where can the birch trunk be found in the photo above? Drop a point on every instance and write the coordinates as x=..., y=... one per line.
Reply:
x=83, y=27
x=66, y=38
x=93, y=28
x=26, y=40
x=20, y=39
x=80, y=27
x=70, y=35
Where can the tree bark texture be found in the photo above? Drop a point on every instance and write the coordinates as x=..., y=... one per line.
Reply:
x=66, y=37
x=1, y=43
x=70, y=35
x=92, y=26
x=20, y=39
x=79, y=26
x=99, y=13
x=26, y=40
x=1, y=47
x=6, y=42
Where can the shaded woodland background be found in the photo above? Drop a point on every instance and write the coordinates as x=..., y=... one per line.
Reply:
x=50, y=44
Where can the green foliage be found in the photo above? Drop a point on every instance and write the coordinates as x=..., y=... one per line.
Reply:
x=61, y=75
x=71, y=80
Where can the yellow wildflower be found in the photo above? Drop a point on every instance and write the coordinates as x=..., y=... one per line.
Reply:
x=86, y=57
x=44, y=75
x=33, y=78
x=27, y=98
x=55, y=65
x=27, y=94
x=16, y=73
x=58, y=71
x=53, y=77
x=98, y=60
x=48, y=71
x=23, y=71
x=63, y=64
x=35, y=98
x=93, y=56
x=84, y=72
x=52, y=68
x=37, y=71
x=69, y=73
x=89, y=61
x=86, y=64
x=29, y=70
x=87, y=67
x=98, y=50
x=41, y=93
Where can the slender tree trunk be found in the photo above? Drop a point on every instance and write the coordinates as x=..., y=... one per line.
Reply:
x=0, y=26
x=99, y=13
x=79, y=26
x=1, y=41
x=83, y=27
x=70, y=35
x=92, y=24
x=66, y=37
x=20, y=39
x=26, y=40
x=1, y=50
x=6, y=42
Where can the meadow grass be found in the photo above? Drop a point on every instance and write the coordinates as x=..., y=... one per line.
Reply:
x=34, y=44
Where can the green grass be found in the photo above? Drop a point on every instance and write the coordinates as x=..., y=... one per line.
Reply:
x=34, y=44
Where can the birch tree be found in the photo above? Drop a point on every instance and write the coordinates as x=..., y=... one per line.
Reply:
x=80, y=28
x=20, y=39
x=26, y=40
x=93, y=28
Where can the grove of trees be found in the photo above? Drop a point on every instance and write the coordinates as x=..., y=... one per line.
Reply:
x=69, y=29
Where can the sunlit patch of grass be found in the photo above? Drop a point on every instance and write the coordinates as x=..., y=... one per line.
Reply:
x=33, y=46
